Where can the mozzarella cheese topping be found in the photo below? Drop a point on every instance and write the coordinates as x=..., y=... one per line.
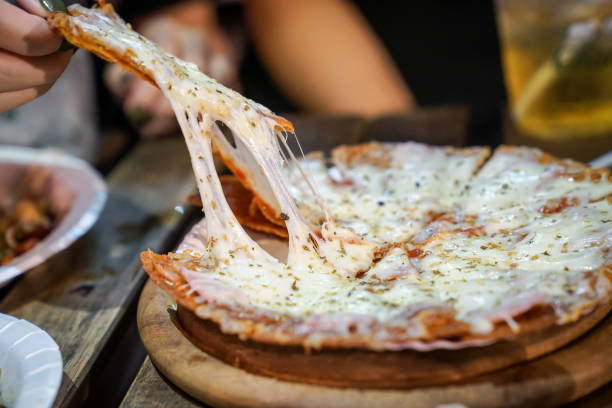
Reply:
x=491, y=244
x=426, y=229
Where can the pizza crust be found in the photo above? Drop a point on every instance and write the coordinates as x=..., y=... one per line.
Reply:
x=127, y=60
x=423, y=330
x=440, y=329
x=380, y=154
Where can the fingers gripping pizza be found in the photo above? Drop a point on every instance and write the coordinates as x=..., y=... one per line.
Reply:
x=392, y=246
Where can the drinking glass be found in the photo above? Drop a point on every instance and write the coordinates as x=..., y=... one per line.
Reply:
x=557, y=59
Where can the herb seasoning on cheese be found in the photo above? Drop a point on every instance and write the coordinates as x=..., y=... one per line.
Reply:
x=385, y=232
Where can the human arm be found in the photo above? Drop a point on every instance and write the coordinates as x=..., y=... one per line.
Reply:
x=326, y=58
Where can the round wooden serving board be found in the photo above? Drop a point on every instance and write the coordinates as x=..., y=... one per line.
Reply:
x=505, y=373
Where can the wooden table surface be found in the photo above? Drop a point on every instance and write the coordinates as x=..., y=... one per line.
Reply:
x=81, y=296
x=85, y=297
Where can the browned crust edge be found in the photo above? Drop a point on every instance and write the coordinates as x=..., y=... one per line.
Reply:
x=72, y=33
x=378, y=154
x=266, y=327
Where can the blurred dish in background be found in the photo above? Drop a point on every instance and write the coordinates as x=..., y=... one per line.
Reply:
x=23, y=226
x=30, y=365
x=557, y=58
x=70, y=190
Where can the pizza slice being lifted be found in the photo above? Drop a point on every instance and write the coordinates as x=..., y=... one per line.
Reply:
x=394, y=246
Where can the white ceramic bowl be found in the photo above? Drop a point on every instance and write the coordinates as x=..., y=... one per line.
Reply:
x=31, y=365
x=75, y=190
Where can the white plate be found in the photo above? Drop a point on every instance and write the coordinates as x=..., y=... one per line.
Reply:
x=31, y=365
x=74, y=189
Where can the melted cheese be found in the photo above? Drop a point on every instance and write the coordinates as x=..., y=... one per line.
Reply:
x=491, y=256
x=387, y=205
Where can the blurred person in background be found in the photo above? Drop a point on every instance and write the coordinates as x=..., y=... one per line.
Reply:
x=322, y=54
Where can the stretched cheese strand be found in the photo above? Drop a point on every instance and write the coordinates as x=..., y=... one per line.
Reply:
x=200, y=103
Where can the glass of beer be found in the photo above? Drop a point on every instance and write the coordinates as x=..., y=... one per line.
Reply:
x=557, y=58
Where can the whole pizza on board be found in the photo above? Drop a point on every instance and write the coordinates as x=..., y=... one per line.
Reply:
x=390, y=246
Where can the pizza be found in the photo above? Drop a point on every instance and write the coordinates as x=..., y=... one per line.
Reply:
x=390, y=246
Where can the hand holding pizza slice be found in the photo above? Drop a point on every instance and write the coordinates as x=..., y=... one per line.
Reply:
x=30, y=56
